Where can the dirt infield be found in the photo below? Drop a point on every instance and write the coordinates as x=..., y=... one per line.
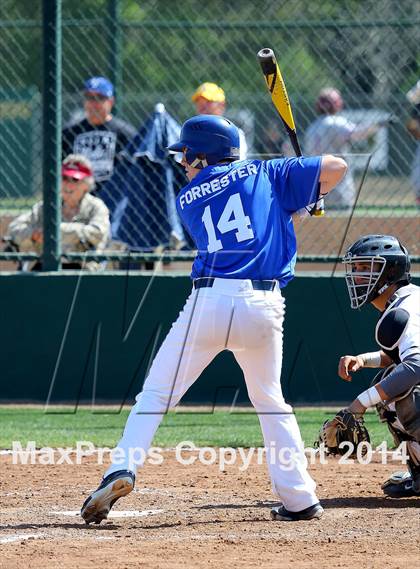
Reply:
x=196, y=516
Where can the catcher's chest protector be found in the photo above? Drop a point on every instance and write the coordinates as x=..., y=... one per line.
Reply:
x=398, y=330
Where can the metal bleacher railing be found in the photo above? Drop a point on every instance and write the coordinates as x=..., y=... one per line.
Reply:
x=157, y=53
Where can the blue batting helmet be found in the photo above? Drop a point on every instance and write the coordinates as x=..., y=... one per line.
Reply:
x=208, y=139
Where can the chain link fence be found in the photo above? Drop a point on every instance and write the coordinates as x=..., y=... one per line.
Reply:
x=157, y=53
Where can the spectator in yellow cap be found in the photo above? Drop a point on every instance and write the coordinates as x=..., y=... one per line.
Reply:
x=210, y=99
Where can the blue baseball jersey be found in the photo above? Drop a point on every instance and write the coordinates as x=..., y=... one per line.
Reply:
x=239, y=216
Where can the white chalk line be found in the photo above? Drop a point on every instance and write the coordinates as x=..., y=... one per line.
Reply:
x=76, y=513
x=20, y=537
x=113, y=514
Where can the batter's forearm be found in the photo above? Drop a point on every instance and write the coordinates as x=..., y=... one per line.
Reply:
x=333, y=170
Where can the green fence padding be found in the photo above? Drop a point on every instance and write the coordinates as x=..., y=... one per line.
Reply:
x=70, y=338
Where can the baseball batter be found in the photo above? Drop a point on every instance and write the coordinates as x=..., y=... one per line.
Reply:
x=378, y=271
x=239, y=216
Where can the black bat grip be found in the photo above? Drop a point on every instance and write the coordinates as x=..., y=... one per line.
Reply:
x=267, y=61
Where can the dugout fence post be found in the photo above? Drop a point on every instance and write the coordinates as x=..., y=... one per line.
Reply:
x=115, y=49
x=51, y=128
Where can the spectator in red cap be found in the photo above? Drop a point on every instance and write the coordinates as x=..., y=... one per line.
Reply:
x=85, y=222
x=99, y=136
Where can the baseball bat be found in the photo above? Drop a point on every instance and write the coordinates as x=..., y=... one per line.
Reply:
x=280, y=98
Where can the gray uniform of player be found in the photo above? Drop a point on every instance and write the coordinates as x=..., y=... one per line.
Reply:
x=398, y=335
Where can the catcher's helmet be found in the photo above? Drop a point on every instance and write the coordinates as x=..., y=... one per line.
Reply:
x=208, y=139
x=329, y=101
x=389, y=264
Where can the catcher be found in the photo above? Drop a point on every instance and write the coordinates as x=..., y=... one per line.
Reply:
x=377, y=271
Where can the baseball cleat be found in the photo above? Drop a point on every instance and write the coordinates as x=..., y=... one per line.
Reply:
x=114, y=486
x=281, y=514
x=399, y=485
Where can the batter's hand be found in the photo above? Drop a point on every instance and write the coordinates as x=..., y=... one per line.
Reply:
x=347, y=364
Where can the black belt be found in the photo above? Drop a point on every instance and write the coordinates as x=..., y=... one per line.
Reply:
x=205, y=282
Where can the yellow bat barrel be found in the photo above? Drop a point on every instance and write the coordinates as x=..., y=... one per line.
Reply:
x=276, y=85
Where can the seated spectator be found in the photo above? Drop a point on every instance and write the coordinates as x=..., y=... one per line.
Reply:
x=99, y=136
x=85, y=222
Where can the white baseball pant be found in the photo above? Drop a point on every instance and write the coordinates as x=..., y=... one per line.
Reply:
x=229, y=315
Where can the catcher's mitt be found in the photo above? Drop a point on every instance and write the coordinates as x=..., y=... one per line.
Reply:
x=345, y=427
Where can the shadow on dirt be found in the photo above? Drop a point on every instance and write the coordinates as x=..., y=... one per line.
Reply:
x=374, y=502
x=259, y=504
x=47, y=525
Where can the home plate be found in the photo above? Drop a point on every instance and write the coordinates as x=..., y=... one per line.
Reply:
x=116, y=514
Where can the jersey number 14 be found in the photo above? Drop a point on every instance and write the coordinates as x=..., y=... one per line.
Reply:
x=233, y=217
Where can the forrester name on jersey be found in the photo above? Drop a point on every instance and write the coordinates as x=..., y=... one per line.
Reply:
x=208, y=188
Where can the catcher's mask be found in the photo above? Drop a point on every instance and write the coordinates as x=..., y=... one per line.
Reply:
x=207, y=140
x=385, y=262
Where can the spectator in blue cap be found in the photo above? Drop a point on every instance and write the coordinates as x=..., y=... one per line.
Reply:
x=99, y=136
x=100, y=85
